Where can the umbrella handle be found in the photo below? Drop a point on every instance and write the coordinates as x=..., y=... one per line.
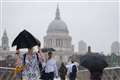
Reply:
x=17, y=51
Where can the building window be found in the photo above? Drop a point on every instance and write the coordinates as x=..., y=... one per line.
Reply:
x=49, y=43
x=59, y=43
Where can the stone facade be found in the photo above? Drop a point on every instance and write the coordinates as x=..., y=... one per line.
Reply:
x=58, y=38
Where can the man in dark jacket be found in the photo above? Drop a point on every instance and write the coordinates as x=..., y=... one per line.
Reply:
x=62, y=71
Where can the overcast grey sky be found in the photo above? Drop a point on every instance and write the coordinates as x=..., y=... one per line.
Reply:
x=94, y=22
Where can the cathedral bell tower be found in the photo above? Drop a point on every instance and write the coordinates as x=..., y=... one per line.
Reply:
x=5, y=41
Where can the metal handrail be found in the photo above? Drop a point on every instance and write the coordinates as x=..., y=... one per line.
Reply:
x=9, y=68
x=108, y=68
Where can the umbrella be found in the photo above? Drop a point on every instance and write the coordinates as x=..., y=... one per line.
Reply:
x=47, y=49
x=95, y=63
x=38, y=42
x=25, y=40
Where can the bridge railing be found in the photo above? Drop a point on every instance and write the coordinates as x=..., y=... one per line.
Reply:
x=7, y=73
x=110, y=73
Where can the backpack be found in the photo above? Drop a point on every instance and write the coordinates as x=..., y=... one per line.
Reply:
x=74, y=69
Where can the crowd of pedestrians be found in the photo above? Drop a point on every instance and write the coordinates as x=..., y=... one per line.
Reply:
x=36, y=66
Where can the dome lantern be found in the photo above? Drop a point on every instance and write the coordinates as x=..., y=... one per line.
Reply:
x=57, y=13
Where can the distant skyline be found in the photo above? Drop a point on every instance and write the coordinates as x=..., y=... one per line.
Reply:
x=97, y=23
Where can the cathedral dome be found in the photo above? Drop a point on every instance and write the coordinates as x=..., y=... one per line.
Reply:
x=57, y=25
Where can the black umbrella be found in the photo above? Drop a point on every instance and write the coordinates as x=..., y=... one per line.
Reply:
x=25, y=40
x=47, y=49
x=95, y=63
x=38, y=42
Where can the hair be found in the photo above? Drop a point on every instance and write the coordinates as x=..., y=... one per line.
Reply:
x=49, y=55
x=50, y=52
x=72, y=61
x=62, y=63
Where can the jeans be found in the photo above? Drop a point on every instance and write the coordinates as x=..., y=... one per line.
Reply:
x=49, y=76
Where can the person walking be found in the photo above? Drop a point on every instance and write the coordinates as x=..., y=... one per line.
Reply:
x=72, y=71
x=62, y=71
x=29, y=65
x=51, y=70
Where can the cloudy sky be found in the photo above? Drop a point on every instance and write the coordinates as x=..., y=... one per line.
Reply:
x=94, y=22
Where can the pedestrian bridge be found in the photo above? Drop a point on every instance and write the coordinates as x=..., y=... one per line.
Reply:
x=111, y=73
x=7, y=73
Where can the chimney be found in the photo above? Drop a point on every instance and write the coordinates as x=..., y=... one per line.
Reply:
x=89, y=49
